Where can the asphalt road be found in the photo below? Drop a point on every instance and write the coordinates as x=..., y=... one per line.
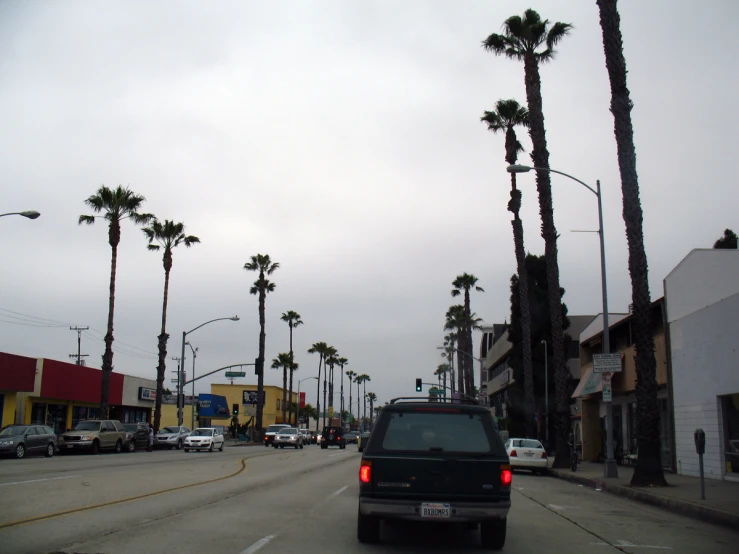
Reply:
x=253, y=499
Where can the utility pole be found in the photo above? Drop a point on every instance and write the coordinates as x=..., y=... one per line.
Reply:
x=79, y=356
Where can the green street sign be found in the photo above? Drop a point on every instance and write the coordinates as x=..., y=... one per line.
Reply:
x=236, y=374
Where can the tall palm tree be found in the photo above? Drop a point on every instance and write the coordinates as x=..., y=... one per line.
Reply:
x=507, y=115
x=284, y=361
x=372, y=397
x=462, y=285
x=442, y=370
x=262, y=264
x=365, y=378
x=168, y=235
x=115, y=205
x=532, y=40
x=351, y=375
x=341, y=362
x=330, y=362
x=319, y=348
x=648, y=471
x=449, y=341
x=293, y=320
x=360, y=380
x=455, y=322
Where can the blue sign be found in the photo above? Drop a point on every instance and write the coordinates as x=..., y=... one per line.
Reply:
x=213, y=406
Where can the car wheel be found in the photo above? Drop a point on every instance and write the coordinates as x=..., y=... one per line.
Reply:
x=118, y=447
x=368, y=528
x=187, y=450
x=210, y=449
x=49, y=450
x=274, y=446
x=282, y=446
x=324, y=446
x=220, y=448
x=131, y=446
x=20, y=451
x=301, y=447
x=179, y=445
x=492, y=534
x=95, y=447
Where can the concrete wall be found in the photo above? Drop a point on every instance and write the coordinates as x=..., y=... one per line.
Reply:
x=131, y=386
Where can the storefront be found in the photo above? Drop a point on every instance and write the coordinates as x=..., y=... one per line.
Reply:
x=17, y=376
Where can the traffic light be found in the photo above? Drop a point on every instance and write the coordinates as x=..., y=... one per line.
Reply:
x=197, y=408
x=258, y=366
x=419, y=386
x=235, y=411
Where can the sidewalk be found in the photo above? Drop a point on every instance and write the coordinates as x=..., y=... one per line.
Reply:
x=682, y=496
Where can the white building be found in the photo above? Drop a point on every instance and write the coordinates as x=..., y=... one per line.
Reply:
x=702, y=304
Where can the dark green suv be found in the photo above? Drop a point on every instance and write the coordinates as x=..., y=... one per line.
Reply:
x=333, y=436
x=437, y=463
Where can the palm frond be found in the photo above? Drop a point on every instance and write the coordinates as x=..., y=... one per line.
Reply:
x=88, y=219
x=557, y=33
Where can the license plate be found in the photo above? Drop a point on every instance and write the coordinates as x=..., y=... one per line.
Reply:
x=69, y=446
x=435, y=511
x=528, y=454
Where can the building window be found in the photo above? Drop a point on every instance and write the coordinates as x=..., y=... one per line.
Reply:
x=81, y=413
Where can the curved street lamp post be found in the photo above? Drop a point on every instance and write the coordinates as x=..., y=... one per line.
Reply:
x=30, y=214
x=610, y=468
x=181, y=372
x=297, y=412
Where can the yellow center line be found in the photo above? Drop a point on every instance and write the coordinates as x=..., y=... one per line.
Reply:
x=120, y=501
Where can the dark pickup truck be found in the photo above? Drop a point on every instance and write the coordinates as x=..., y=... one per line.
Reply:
x=438, y=463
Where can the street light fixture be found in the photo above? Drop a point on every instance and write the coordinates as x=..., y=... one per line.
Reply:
x=297, y=412
x=610, y=468
x=30, y=214
x=181, y=374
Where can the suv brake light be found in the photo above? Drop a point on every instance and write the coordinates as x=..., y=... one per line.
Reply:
x=506, y=476
x=365, y=472
x=544, y=454
x=513, y=454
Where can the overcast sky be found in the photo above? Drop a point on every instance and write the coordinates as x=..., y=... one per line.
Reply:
x=343, y=139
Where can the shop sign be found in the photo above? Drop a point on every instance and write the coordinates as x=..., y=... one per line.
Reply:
x=607, y=392
x=147, y=394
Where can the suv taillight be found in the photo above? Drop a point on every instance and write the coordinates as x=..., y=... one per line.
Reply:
x=506, y=476
x=365, y=472
x=544, y=454
x=513, y=454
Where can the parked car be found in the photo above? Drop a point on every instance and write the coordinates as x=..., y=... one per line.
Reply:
x=333, y=436
x=172, y=437
x=319, y=438
x=289, y=436
x=527, y=454
x=269, y=435
x=94, y=435
x=204, y=438
x=362, y=442
x=436, y=463
x=137, y=436
x=21, y=440
x=351, y=437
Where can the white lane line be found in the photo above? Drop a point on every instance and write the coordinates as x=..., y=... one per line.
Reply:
x=338, y=492
x=37, y=480
x=257, y=545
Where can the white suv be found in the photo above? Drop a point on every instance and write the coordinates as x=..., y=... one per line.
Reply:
x=272, y=430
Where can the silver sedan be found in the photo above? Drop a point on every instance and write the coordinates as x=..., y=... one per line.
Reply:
x=289, y=436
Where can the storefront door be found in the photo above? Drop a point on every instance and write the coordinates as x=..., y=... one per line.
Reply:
x=56, y=417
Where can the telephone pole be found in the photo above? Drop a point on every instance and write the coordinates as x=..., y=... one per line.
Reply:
x=79, y=356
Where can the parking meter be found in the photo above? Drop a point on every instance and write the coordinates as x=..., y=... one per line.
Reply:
x=700, y=441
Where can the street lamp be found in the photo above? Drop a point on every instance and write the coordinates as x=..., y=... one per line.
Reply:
x=194, y=355
x=30, y=214
x=610, y=468
x=181, y=374
x=297, y=412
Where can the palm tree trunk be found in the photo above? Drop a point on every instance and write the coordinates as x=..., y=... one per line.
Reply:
x=444, y=389
x=290, y=413
x=262, y=340
x=364, y=403
x=284, y=394
x=162, y=347
x=371, y=417
x=114, y=238
x=540, y=156
x=318, y=392
x=359, y=411
x=325, y=378
x=460, y=361
x=648, y=471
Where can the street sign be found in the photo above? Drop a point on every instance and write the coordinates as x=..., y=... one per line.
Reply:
x=607, y=391
x=236, y=374
x=250, y=411
x=606, y=363
x=330, y=411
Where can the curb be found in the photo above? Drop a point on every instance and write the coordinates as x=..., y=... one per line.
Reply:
x=683, y=507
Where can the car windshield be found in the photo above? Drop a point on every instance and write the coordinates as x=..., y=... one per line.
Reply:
x=437, y=431
x=88, y=426
x=15, y=430
x=202, y=433
x=275, y=428
x=524, y=443
x=167, y=430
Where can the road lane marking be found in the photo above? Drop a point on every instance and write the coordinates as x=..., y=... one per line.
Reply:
x=339, y=453
x=627, y=544
x=259, y=544
x=338, y=492
x=37, y=480
x=120, y=501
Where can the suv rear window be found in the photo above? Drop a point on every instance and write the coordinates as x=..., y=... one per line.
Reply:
x=424, y=431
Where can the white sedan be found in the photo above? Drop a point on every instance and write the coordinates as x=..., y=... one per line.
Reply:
x=527, y=454
x=289, y=436
x=204, y=438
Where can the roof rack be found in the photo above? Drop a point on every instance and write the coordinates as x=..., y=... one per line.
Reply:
x=427, y=399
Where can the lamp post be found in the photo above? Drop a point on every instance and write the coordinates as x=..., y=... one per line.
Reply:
x=194, y=355
x=297, y=412
x=610, y=468
x=181, y=374
x=546, y=394
x=30, y=214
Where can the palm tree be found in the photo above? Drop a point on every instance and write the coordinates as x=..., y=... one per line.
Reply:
x=360, y=380
x=115, y=205
x=522, y=40
x=265, y=266
x=351, y=375
x=341, y=362
x=462, y=284
x=365, y=378
x=330, y=361
x=372, y=397
x=648, y=471
x=455, y=321
x=507, y=115
x=284, y=361
x=293, y=320
x=442, y=370
x=319, y=348
x=169, y=235
x=449, y=341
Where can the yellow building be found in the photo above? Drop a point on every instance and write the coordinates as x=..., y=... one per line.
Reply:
x=272, y=412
